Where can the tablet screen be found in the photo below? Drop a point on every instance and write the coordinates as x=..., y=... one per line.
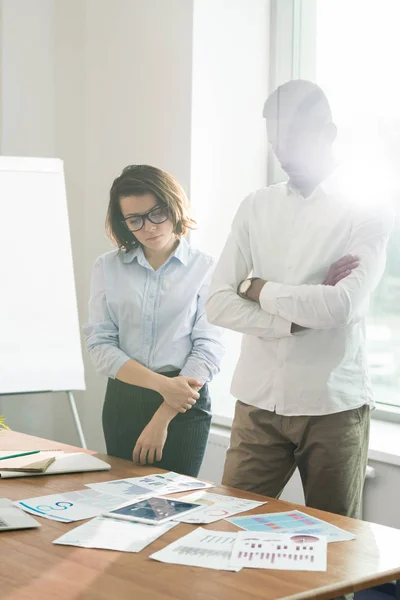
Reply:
x=155, y=509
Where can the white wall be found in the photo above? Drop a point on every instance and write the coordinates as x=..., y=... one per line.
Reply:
x=28, y=128
x=381, y=495
x=100, y=84
x=138, y=70
x=28, y=85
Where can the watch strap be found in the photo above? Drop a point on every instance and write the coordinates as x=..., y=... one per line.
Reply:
x=251, y=279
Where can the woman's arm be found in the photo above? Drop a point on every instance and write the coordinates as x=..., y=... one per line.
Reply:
x=101, y=332
x=102, y=340
x=178, y=392
x=150, y=445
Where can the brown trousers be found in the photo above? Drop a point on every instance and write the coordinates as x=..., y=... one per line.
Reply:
x=330, y=452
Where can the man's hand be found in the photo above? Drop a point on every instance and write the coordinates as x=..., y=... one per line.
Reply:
x=341, y=269
x=149, y=447
x=297, y=328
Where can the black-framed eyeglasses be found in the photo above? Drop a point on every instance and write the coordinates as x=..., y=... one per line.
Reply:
x=156, y=215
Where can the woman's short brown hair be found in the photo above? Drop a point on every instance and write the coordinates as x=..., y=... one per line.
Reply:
x=137, y=180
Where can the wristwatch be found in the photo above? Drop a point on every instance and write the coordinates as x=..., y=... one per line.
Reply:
x=244, y=286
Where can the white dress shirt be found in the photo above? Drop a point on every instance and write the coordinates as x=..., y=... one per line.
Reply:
x=291, y=241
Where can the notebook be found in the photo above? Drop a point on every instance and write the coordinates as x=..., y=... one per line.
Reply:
x=35, y=463
x=76, y=462
x=12, y=517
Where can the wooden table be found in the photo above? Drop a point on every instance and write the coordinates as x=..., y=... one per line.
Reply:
x=12, y=440
x=32, y=568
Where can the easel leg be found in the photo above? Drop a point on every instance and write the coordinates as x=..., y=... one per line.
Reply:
x=76, y=419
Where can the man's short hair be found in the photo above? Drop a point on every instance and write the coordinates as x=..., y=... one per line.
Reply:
x=298, y=102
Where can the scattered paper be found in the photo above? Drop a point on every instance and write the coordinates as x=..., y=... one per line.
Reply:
x=200, y=548
x=290, y=552
x=70, y=506
x=149, y=485
x=113, y=534
x=292, y=521
x=216, y=507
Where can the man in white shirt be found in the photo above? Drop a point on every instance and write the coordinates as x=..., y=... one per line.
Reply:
x=302, y=384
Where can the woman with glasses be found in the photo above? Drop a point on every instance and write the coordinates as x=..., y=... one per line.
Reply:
x=147, y=330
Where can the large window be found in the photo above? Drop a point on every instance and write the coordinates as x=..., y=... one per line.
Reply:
x=351, y=48
x=229, y=146
x=357, y=56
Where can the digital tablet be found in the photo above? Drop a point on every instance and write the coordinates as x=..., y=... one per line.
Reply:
x=154, y=510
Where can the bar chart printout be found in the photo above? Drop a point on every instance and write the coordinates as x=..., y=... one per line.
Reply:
x=290, y=552
x=200, y=548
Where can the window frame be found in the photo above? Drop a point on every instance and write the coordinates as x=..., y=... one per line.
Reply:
x=293, y=56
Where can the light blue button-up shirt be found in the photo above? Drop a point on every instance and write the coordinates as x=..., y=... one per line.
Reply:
x=154, y=317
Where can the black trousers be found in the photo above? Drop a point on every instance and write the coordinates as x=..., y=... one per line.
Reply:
x=128, y=409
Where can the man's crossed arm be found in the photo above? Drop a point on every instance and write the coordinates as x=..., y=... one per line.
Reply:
x=339, y=270
x=334, y=303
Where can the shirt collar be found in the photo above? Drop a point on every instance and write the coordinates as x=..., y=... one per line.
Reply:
x=181, y=253
x=332, y=184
